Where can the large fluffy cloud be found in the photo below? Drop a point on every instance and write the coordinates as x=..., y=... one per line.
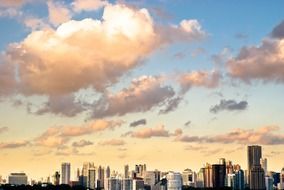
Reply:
x=89, y=53
x=268, y=135
x=264, y=62
x=142, y=95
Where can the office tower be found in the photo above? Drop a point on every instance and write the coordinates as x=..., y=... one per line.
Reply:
x=257, y=181
x=65, y=173
x=254, y=154
x=200, y=178
x=208, y=175
x=281, y=176
x=222, y=161
x=150, y=178
x=101, y=174
x=268, y=183
x=263, y=163
x=231, y=181
x=78, y=174
x=56, y=178
x=240, y=179
x=112, y=184
x=91, y=180
x=218, y=175
x=126, y=184
x=107, y=172
x=189, y=178
x=126, y=171
x=229, y=167
x=174, y=181
x=18, y=179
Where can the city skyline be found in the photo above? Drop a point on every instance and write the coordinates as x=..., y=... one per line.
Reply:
x=171, y=85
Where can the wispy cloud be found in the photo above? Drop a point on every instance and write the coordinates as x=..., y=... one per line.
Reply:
x=112, y=142
x=229, y=105
x=138, y=123
x=82, y=143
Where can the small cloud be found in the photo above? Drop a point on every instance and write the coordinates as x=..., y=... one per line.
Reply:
x=241, y=36
x=15, y=144
x=112, y=142
x=138, y=122
x=187, y=124
x=145, y=133
x=229, y=105
x=3, y=129
x=82, y=143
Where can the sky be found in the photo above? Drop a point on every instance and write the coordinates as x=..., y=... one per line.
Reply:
x=172, y=84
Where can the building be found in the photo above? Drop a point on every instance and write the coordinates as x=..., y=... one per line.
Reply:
x=257, y=180
x=150, y=178
x=189, y=178
x=200, y=178
x=56, y=178
x=240, y=179
x=65, y=173
x=91, y=178
x=126, y=184
x=281, y=181
x=100, y=179
x=107, y=172
x=231, y=181
x=268, y=183
x=174, y=181
x=208, y=176
x=218, y=175
x=18, y=179
x=138, y=184
x=263, y=163
x=126, y=171
x=112, y=184
x=254, y=154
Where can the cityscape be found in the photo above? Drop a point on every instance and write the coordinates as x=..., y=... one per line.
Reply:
x=221, y=175
x=141, y=94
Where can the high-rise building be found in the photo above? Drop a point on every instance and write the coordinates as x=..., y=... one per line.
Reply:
x=240, y=179
x=231, y=181
x=107, y=172
x=254, y=155
x=18, y=179
x=189, y=178
x=208, y=176
x=112, y=184
x=268, y=183
x=229, y=167
x=263, y=163
x=56, y=178
x=257, y=180
x=218, y=175
x=137, y=184
x=281, y=184
x=65, y=173
x=174, y=181
x=91, y=178
x=126, y=184
x=126, y=171
x=150, y=178
x=200, y=178
x=101, y=174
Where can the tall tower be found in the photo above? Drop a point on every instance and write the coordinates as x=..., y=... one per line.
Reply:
x=107, y=172
x=126, y=171
x=65, y=173
x=263, y=162
x=255, y=172
x=56, y=178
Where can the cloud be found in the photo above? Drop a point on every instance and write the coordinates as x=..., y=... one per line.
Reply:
x=188, y=123
x=171, y=105
x=142, y=95
x=88, y=5
x=278, y=31
x=82, y=143
x=229, y=105
x=59, y=136
x=261, y=63
x=61, y=105
x=199, y=79
x=3, y=129
x=138, y=122
x=268, y=135
x=11, y=145
x=112, y=142
x=58, y=12
x=158, y=131
x=12, y=3
x=112, y=46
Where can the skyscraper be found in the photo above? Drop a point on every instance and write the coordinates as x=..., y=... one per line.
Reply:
x=18, y=179
x=126, y=171
x=174, y=181
x=56, y=178
x=254, y=156
x=263, y=163
x=257, y=178
x=107, y=172
x=218, y=175
x=101, y=173
x=208, y=176
x=65, y=173
x=91, y=180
